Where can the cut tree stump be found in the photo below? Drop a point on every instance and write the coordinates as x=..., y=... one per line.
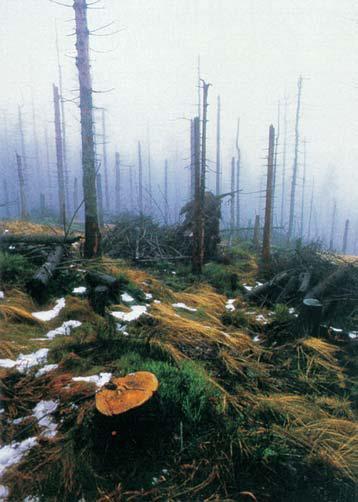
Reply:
x=311, y=316
x=37, y=286
x=99, y=298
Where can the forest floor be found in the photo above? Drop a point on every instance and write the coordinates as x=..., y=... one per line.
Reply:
x=249, y=408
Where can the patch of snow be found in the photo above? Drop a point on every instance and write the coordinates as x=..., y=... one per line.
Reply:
x=256, y=338
x=99, y=380
x=261, y=318
x=181, y=305
x=353, y=335
x=12, y=247
x=157, y=301
x=47, y=315
x=2, y=295
x=7, y=363
x=135, y=313
x=336, y=330
x=46, y=369
x=4, y=492
x=126, y=298
x=230, y=305
x=258, y=283
x=291, y=310
x=41, y=412
x=148, y=296
x=12, y=453
x=18, y=421
x=80, y=290
x=174, y=273
x=63, y=330
x=248, y=288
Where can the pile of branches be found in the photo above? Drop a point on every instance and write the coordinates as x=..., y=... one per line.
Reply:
x=141, y=239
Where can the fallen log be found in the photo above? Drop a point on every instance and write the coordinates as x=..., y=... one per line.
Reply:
x=95, y=279
x=263, y=289
x=36, y=239
x=328, y=284
x=305, y=278
x=311, y=316
x=38, y=284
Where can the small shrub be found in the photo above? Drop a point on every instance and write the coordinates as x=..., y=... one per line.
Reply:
x=14, y=269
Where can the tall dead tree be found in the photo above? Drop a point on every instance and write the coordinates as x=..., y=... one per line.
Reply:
x=150, y=193
x=118, y=183
x=333, y=225
x=48, y=171
x=197, y=252
x=92, y=232
x=345, y=237
x=59, y=158
x=310, y=214
x=63, y=129
x=295, y=163
x=232, y=198
x=140, y=179
x=284, y=157
x=218, y=149
x=23, y=203
x=192, y=160
x=22, y=143
x=275, y=163
x=100, y=199
x=6, y=199
x=166, y=201
x=266, y=252
x=238, y=173
x=105, y=167
x=256, y=237
x=75, y=194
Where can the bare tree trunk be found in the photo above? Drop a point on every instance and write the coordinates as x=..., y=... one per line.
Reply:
x=333, y=226
x=63, y=130
x=118, y=184
x=310, y=215
x=232, y=198
x=59, y=158
x=303, y=189
x=23, y=204
x=100, y=199
x=345, y=237
x=131, y=191
x=140, y=179
x=192, y=160
x=197, y=261
x=6, y=199
x=284, y=157
x=92, y=232
x=267, y=225
x=218, y=149
x=275, y=163
x=238, y=172
x=203, y=166
x=166, y=203
x=22, y=143
x=42, y=204
x=150, y=179
x=295, y=164
x=105, y=167
x=48, y=172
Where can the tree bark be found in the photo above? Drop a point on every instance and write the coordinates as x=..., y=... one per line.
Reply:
x=59, y=158
x=218, y=149
x=23, y=203
x=37, y=286
x=197, y=262
x=118, y=183
x=140, y=179
x=266, y=251
x=92, y=232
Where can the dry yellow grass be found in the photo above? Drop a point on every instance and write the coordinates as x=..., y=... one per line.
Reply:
x=26, y=227
x=16, y=314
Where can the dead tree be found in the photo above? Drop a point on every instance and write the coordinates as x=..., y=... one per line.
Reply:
x=63, y=129
x=20, y=173
x=37, y=286
x=48, y=172
x=256, y=238
x=284, y=157
x=59, y=158
x=238, y=172
x=105, y=167
x=203, y=163
x=303, y=189
x=345, y=237
x=22, y=144
x=295, y=164
x=333, y=226
x=118, y=184
x=310, y=215
x=6, y=199
x=92, y=232
x=218, y=149
x=275, y=163
x=232, y=198
x=267, y=225
x=166, y=201
x=197, y=258
x=192, y=160
x=150, y=193
x=140, y=179
x=75, y=194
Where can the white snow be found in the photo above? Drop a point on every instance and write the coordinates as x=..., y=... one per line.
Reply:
x=353, y=335
x=258, y=283
x=256, y=338
x=4, y=492
x=157, y=301
x=291, y=310
x=46, y=369
x=261, y=318
x=135, y=313
x=126, y=298
x=80, y=290
x=12, y=453
x=2, y=295
x=63, y=330
x=336, y=330
x=41, y=412
x=26, y=361
x=148, y=296
x=99, y=380
x=184, y=307
x=230, y=305
x=248, y=288
x=47, y=315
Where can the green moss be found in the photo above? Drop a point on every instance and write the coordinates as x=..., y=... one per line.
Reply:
x=15, y=269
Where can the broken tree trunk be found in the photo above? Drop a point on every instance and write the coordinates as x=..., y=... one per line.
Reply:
x=23, y=205
x=197, y=260
x=95, y=279
x=218, y=152
x=266, y=251
x=328, y=284
x=59, y=158
x=345, y=237
x=140, y=179
x=99, y=298
x=92, y=232
x=256, y=238
x=238, y=173
x=265, y=288
x=37, y=286
x=117, y=184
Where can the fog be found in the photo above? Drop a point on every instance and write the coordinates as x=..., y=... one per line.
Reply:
x=145, y=74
